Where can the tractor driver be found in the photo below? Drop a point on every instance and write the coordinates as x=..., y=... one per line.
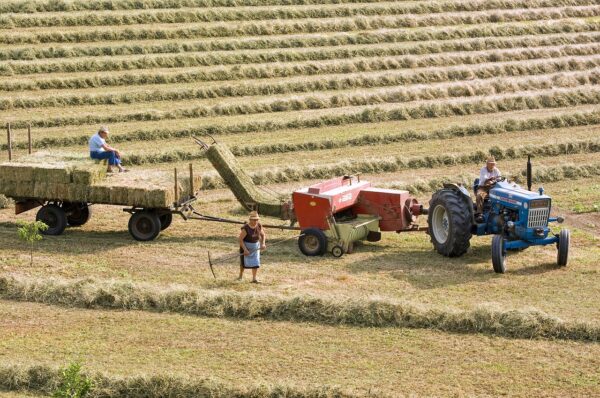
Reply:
x=487, y=177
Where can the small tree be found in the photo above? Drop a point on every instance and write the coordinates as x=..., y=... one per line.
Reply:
x=30, y=232
x=73, y=384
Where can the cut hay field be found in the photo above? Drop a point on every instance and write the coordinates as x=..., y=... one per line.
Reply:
x=408, y=93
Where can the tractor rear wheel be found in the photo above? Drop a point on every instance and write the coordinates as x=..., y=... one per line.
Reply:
x=78, y=213
x=449, y=222
x=144, y=225
x=498, y=254
x=564, y=241
x=313, y=242
x=54, y=217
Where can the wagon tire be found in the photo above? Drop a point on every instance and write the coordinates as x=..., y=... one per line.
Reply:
x=79, y=213
x=449, y=223
x=313, y=242
x=165, y=221
x=54, y=217
x=498, y=254
x=564, y=241
x=144, y=225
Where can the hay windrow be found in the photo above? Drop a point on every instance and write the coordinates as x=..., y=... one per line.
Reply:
x=481, y=80
x=89, y=293
x=377, y=59
x=44, y=380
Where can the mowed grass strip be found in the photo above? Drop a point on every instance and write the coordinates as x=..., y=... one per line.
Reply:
x=274, y=27
x=309, y=39
x=304, y=355
x=366, y=313
x=559, y=99
x=295, y=62
x=568, y=28
x=346, y=95
x=131, y=17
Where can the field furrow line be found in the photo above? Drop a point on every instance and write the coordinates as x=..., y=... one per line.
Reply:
x=449, y=44
x=365, y=313
x=275, y=13
x=324, y=25
x=508, y=126
x=555, y=99
x=376, y=61
x=39, y=6
x=548, y=69
x=353, y=36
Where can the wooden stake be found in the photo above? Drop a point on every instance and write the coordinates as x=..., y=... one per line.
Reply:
x=191, y=180
x=29, y=138
x=176, y=190
x=9, y=141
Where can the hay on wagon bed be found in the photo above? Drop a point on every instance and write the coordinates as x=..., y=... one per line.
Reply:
x=76, y=178
x=240, y=183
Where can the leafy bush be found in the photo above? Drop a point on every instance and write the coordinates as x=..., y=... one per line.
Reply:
x=73, y=384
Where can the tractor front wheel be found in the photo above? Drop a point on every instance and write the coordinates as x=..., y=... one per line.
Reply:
x=54, y=217
x=449, y=222
x=313, y=242
x=564, y=241
x=144, y=225
x=498, y=254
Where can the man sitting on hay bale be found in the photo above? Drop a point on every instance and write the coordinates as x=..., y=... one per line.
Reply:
x=99, y=150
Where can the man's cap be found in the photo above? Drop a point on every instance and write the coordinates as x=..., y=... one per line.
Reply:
x=491, y=160
x=254, y=215
x=103, y=129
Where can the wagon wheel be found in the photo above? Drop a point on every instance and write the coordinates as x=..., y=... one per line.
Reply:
x=144, y=225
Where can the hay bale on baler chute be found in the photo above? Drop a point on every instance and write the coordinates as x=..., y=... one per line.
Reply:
x=241, y=184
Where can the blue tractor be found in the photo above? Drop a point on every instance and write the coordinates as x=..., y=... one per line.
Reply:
x=517, y=218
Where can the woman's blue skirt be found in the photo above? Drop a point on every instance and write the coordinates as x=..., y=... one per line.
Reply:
x=252, y=260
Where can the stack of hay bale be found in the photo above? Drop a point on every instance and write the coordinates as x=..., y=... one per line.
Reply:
x=74, y=178
x=241, y=184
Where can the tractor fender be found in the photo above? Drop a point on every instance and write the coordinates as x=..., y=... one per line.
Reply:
x=464, y=195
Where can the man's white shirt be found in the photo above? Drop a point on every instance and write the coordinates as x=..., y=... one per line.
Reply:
x=485, y=175
x=96, y=143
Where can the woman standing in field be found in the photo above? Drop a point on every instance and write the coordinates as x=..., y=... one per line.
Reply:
x=252, y=241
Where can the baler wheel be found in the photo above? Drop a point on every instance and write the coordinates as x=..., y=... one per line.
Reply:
x=337, y=251
x=313, y=242
x=564, y=241
x=54, y=217
x=498, y=254
x=449, y=220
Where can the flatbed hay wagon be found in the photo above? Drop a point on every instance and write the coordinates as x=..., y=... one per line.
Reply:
x=64, y=186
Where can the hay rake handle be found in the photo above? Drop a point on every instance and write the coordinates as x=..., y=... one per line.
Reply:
x=212, y=261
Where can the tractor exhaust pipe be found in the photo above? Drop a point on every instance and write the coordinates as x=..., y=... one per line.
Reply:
x=529, y=172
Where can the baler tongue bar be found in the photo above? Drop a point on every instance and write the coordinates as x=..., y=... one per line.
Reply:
x=241, y=184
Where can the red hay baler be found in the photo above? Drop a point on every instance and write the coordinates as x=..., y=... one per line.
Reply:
x=336, y=213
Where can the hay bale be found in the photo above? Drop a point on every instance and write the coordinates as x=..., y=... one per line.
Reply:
x=240, y=183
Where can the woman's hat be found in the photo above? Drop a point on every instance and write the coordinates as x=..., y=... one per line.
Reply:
x=254, y=215
x=491, y=160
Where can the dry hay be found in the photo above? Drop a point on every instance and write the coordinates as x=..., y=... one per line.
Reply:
x=89, y=293
x=76, y=178
x=241, y=184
